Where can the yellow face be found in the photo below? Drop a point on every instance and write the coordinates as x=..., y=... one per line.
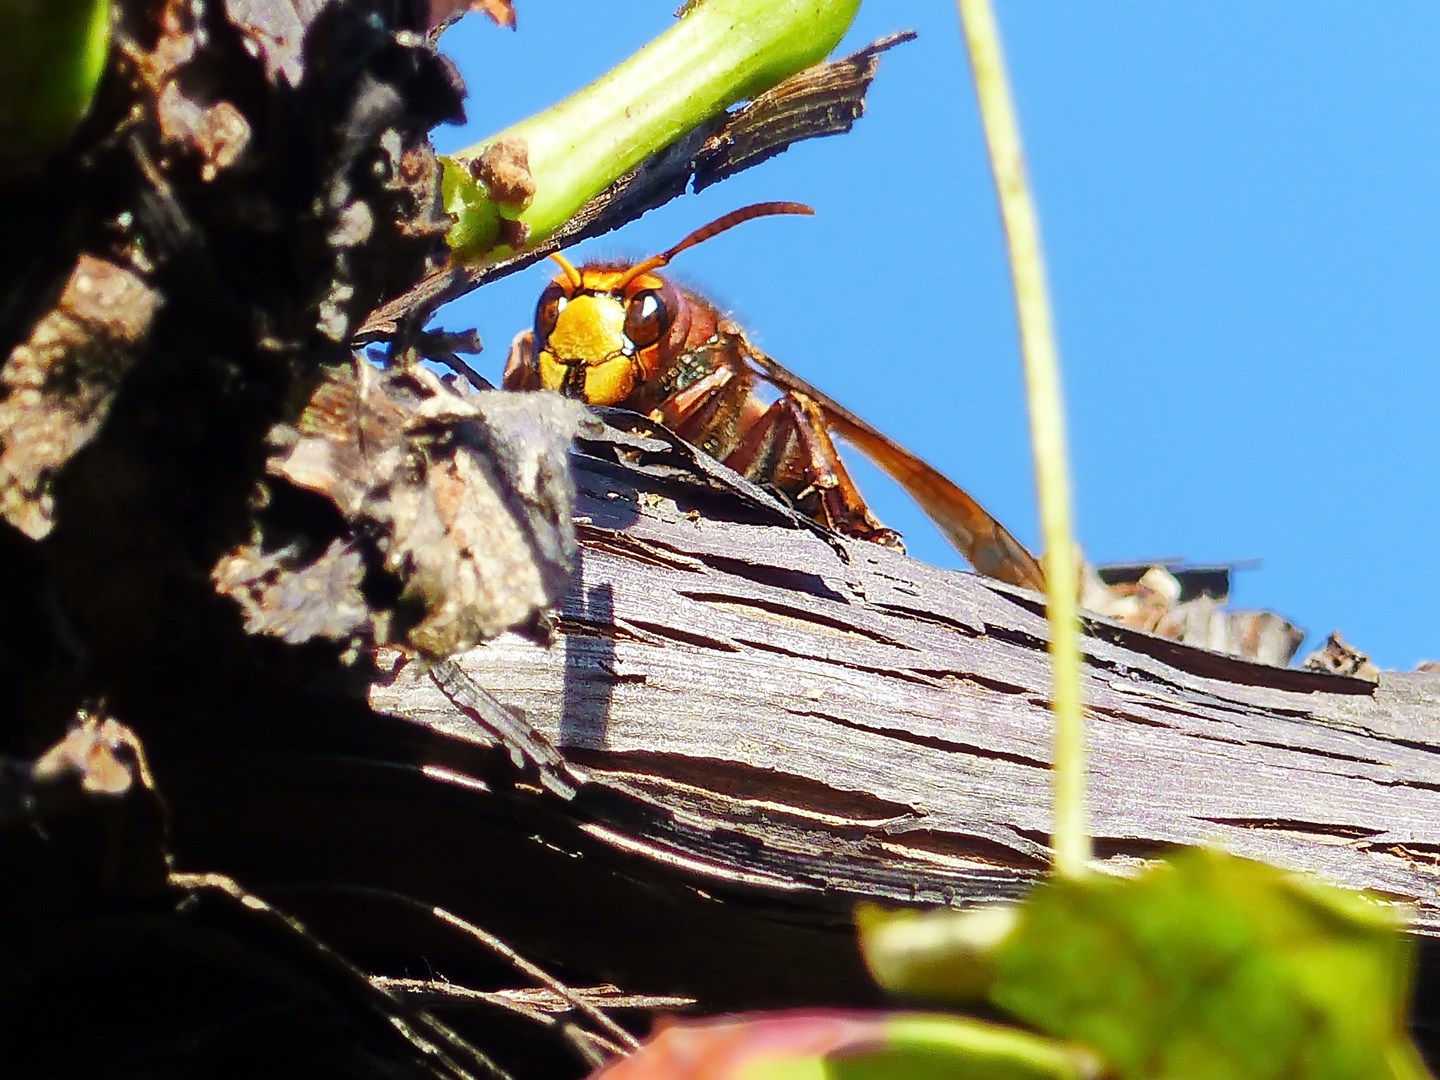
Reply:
x=600, y=335
x=587, y=354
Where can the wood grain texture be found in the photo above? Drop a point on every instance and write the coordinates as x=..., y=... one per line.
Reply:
x=818, y=722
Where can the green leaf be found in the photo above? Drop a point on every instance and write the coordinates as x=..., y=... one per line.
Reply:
x=1212, y=966
x=518, y=186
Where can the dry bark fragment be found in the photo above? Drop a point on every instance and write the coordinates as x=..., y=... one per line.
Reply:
x=1341, y=658
x=466, y=498
x=60, y=382
x=275, y=31
x=824, y=99
x=215, y=130
x=504, y=169
x=296, y=601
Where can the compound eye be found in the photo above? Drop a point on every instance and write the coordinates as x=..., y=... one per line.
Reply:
x=647, y=317
x=547, y=312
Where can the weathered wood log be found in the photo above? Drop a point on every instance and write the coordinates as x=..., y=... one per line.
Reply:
x=739, y=729
x=855, y=721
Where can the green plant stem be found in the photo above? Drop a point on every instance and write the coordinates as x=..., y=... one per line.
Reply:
x=718, y=53
x=52, y=54
x=1047, y=425
x=960, y=1046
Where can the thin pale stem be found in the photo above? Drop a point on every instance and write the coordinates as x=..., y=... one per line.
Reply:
x=1047, y=425
x=541, y=976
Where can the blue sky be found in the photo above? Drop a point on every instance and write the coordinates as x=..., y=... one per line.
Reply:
x=1241, y=209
